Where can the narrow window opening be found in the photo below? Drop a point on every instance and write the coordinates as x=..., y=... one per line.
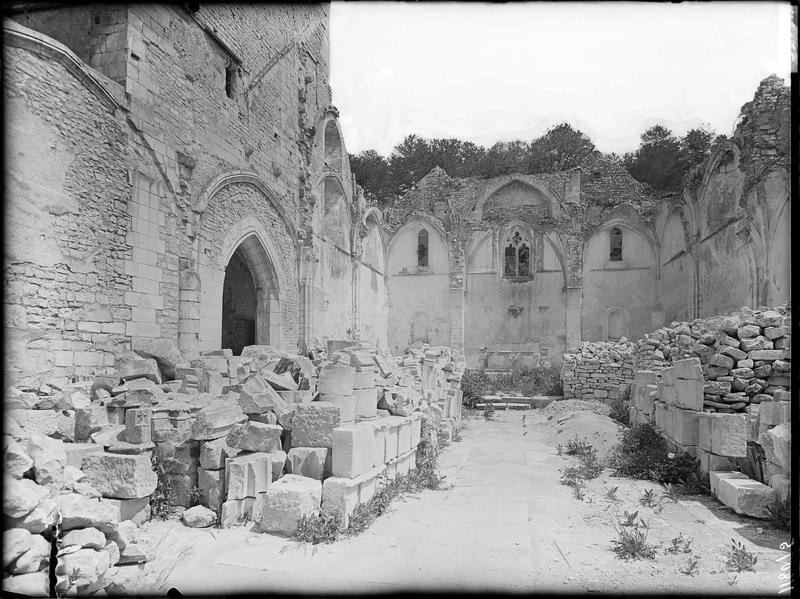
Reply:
x=230, y=77
x=615, y=254
x=422, y=248
x=511, y=261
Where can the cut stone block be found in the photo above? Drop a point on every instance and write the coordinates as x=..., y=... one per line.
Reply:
x=366, y=402
x=759, y=343
x=138, y=424
x=336, y=380
x=35, y=584
x=134, y=510
x=84, y=566
x=16, y=541
x=255, y=436
x=777, y=444
x=766, y=354
x=296, y=397
x=256, y=396
x=689, y=394
x=741, y=493
x=353, y=449
x=345, y=403
x=16, y=460
x=704, y=430
x=21, y=496
x=49, y=458
x=340, y=496
x=685, y=427
x=668, y=375
x=717, y=387
x=709, y=461
x=279, y=382
x=78, y=511
x=774, y=412
x=216, y=420
x=278, y=463
x=688, y=369
x=120, y=476
x=667, y=394
x=247, y=475
x=313, y=424
x=129, y=369
x=312, y=462
x=729, y=435
x=214, y=453
x=287, y=500
x=211, y=484
x=235, y=512
x=90, y=538
x=416, y=429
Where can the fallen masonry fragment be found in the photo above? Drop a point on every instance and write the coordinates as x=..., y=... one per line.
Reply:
x=262, y=438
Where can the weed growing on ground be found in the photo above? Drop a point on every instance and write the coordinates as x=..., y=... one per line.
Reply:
x=577, y=447
x=630, y=519
x=732, y=579
x=590, y=466
x=577, y=491
x=612, y=493
x=457, y=437
x=670, y=492
x=569, y=475
x=559, y=449
x=632, y=543
x=163, y=496
x=648, y=498
x=780, y=513
x=679, y=544
x=691, y=485
x=319, y=528
x=740, y=559
x=692, y=566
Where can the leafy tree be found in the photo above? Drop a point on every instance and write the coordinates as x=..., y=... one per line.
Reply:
x=372, y=173
x=410, y=160
x=504, y=158
x=561, y=148
x=696, y=146
x=658, y=161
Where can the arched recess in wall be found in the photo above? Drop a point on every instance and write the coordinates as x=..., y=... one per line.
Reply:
x=615, y=324
x=438, y=247
x=336, y=226
x=673, y=238
x=242, y=271
x=518, y=196
x=710, y=215
x=332, y=146
x=374, y=249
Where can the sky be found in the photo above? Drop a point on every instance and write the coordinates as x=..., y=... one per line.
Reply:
x=497, y=72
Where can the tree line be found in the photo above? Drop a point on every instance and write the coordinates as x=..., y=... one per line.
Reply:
x=661, y=160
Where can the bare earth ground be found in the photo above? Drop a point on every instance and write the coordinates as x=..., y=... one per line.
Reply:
x=507, y=524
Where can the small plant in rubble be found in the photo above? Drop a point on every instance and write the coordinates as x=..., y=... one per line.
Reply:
x=740, y=559
x=679, y=544
x=319, y=528
x=163, y=496
x=670, y=492
x=780, y=513
x=692, y=566
x=559, y=449
x=612, y=494
x=630, y=519
x=195, y=496
x=577, y=447
x=632, y=543
x=590, y=466
x=569, y=475
x=648, y=498
x=691, y=485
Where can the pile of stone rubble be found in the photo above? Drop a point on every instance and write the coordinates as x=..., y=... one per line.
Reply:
x=265, y=437
x=745, y=356
x=729, y=405
x=598, y=370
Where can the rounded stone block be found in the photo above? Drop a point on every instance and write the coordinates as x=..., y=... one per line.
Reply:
x=288, y=499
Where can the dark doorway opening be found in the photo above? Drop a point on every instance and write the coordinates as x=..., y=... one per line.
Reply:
x=239, y=305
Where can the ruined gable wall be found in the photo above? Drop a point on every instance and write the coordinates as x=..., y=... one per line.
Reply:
x=67, y=190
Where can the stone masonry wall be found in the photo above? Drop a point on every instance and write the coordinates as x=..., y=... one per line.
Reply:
x=597, y=370
x=67, y=191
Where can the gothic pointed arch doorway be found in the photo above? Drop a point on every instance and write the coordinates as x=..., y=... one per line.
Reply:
x=251, y=312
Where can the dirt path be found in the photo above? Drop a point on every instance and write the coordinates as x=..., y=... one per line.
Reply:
x=507, y=524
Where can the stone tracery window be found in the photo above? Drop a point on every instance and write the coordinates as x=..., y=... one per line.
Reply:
x=422, y=248
x=516, y=256
x=615, y=245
